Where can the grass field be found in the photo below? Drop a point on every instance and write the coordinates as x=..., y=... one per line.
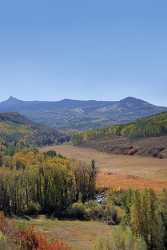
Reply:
x=120, y=170
x=80, y=235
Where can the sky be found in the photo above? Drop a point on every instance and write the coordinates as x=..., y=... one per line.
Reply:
x=83, y=49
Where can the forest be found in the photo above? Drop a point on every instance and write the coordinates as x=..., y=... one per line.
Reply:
x=16, y=131
x=152, y=126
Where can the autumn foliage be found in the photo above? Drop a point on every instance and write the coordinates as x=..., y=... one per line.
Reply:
x=28, y=239
x=34, y=240
x=32, y=182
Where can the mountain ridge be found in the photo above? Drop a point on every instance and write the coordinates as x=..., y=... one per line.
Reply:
x=81, y=114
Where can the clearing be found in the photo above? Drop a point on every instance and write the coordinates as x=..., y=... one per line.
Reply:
x=120, y=170
x=80, y=235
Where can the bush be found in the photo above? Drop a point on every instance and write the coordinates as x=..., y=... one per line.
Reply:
x=88, y=210
x=93, y=210
x=33, y=209
x=23, y=238
x=120, y=239
x=51, y=153
x=30, y=239
x=77, y=211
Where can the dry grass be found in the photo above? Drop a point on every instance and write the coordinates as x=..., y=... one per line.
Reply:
x=80, y=235
x=120, y=170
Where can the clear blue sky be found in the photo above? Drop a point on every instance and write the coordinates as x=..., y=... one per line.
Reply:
x=83, y=49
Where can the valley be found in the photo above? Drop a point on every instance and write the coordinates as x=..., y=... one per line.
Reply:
x=83, y=125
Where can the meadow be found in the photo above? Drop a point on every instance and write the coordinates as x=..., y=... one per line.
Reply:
x=79, y=235
x=120, y=170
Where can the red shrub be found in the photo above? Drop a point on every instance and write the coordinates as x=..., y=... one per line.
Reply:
x=28, y=239
x=58, y=245
x=33, y=240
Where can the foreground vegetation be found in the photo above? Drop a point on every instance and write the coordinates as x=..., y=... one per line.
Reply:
x=138, y=221
x=13, y=237
x=77, y=234
x=39, y=182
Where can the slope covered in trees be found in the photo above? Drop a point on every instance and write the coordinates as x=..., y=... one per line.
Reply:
x=146, y=136
x=18, y=131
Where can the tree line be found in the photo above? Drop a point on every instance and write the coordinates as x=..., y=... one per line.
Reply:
x=31, y=181
x=146, y=127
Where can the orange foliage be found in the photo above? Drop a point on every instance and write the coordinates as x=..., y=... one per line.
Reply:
x=29, y=239
x=33, y=240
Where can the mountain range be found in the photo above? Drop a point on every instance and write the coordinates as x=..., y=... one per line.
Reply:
x=81, y=115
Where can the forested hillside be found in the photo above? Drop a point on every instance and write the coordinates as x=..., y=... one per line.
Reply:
x=18, y=131
x=146, y=136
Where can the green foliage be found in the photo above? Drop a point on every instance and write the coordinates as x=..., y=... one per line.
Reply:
x=51, y=153
x=33, y=208
x=88, y=210
x=77, y=211
x=144, y=211
x=94, y=210
x=33, y=182
x=2, y=236
x=145, y=218
x=155, y=125
x=121, y=238
x=17, y=132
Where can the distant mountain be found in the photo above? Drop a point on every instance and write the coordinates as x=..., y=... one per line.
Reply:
x=15, y=128
x=82, y=115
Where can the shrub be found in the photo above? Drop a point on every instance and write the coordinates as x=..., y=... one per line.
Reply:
x=30, y=239
x=33, y=209
x=87, y=210
x=51, y=153
x=120, y=239
x=77, y=211
x=93, y=210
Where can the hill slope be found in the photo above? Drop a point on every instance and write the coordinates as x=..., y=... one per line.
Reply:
x=15, y=128
x=146, y=136
x=82, y=115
